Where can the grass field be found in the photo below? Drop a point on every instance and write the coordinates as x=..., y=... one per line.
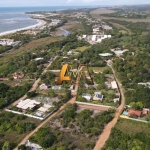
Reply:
x=70, y=26
x=123, y=31
x=29, y=46
x=83, y=48
x=131, y=127
x=96, y=14
x=119, y=26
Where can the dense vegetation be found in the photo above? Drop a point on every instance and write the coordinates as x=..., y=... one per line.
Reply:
x=129, y=135
x=10, y=94
x=16, y=125
x=84, y=127
x=4, y=48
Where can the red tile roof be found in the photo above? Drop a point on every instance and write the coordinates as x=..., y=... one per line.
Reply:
x=135, y=112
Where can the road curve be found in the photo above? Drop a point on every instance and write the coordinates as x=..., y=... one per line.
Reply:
x=107, y=130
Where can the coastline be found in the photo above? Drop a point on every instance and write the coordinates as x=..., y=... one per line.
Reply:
x=39, y=24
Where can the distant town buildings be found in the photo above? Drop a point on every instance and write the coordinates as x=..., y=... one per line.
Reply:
x=106, y=27
x=54, y=22
x=8, y=42
x=95, y=38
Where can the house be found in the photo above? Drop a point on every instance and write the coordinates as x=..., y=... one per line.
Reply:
x=87, y=96
x=43, y=87
x=109, y=62
x=84, y=36
x=93, y=37
x=134, y=112
x=119, y=52
x=56, y=87
x=105, y=54
x=36, y=59
x=18, y=75
x=42, y=51
x=44, y=108
x=33, y=146
x=27, y=104
x=98, y=96
x=116, y=100
x=69, y=53
x=114, y=85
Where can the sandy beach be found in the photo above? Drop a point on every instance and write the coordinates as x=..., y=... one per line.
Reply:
x=39, y=24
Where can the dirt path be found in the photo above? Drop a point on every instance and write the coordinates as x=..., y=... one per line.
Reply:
x=72, y=100
x=93, y=107
x=106, y=132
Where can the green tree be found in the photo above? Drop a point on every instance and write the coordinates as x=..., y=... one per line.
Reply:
x=6, y=146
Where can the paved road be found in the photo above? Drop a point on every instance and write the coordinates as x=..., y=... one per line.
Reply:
x=107, y=130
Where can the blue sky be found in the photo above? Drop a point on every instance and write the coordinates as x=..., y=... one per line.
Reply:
x=17, y=3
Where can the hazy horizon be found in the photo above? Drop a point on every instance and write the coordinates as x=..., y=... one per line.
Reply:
x=48, y=3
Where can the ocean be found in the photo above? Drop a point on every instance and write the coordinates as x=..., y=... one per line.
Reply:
x=14, y=18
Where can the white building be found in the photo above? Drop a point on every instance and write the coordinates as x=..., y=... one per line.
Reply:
x=36, y=59
x=84, y=36
x=33, y=146
x=69, y=53
x=114, y=85
x=93, y=37
x=105, y=54
x=27, y=104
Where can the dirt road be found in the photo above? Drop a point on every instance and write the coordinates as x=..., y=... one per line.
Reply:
x=106, y=132
x=34, y=86
x=93, y=107
x=71, y=101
